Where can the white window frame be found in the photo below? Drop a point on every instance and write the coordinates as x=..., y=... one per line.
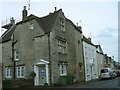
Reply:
x=16, y=55
x=8, y=72
x=31, y=25
x=86, y=51
x=63, y=70
x=89, y=52
x=92, y=53
x=20, y=71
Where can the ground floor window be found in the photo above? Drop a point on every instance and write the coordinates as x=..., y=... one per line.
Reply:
x=8, y=72
x=63, y=70
x=20, y=71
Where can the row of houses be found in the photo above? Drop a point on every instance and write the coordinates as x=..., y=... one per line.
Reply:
x=48, y=48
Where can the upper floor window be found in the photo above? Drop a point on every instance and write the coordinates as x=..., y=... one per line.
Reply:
x=85, y=51
x=16, y=55
x=8, y=72
x=31, y=25
x=62, y=46
x=20, y=71
x=89, y=53
x=92, y=53
x=62, y=24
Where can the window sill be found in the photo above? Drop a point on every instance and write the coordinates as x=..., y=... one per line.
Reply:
x=16, y=60
x=8, y=77
x=62, y=53
x=87, y=74
x=63, y=75
x=21, y=77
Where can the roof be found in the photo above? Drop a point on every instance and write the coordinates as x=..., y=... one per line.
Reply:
x=7, y=35
x=46, y=22
x=100, y=49
x=77, y=28
x=87, y=41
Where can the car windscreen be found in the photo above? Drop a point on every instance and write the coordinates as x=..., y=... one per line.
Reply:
x=104, y=70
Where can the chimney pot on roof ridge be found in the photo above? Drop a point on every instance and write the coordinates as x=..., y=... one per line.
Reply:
x=12, y=21
x=55, y=9
x=24, y=13
x=24, y=7
x=89, y=39
x=77, y=24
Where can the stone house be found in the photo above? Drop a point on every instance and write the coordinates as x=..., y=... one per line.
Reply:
x=109, y=62
x=100, y=58
x=0, y=64
x=90, y=60
x=49, y=47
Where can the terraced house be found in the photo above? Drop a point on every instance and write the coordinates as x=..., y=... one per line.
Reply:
x=100, y=58
x=45, y=48
x=90, y=59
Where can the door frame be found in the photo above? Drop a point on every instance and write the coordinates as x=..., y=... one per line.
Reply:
x=36, y=67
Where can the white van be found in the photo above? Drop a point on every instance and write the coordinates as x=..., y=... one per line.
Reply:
x=106, y=73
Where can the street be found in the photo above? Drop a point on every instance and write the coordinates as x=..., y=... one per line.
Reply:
x=109, y=83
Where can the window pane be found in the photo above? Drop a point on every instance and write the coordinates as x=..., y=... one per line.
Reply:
x=16, y=55
x=18, y=71
x=22, y=71
x=62, y=46
x=8, y=72
x=62, y=69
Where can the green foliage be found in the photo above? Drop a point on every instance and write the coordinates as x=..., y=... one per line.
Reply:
x=66, y=80
x=32, y=74
x=7, y=84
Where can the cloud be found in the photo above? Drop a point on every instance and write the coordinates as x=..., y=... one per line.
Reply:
x=108, y=38
x=108, y=32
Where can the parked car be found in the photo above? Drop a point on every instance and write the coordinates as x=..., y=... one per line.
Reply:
x=107, y=73
x=114, y=74
x=117, y=72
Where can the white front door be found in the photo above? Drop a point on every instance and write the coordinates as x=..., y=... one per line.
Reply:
x=41, y=70
x=42, y=74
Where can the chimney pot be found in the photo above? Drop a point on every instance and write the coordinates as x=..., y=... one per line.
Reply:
x=24, y=14
x=55, y=8
x=24, y=7
x=89, y=39
x=77, y=24
x=12, y=21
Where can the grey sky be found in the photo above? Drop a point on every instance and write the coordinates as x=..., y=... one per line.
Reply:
x=99, y=20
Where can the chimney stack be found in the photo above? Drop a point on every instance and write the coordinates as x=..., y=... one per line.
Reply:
x=24, y=14
x=55, y=9
x=12, y=21
x=89, y=39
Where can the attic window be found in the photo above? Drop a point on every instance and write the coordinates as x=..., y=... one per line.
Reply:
x=31, y=25
x=62, y=24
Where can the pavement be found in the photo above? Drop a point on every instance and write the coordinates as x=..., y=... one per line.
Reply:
x=75, y=85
